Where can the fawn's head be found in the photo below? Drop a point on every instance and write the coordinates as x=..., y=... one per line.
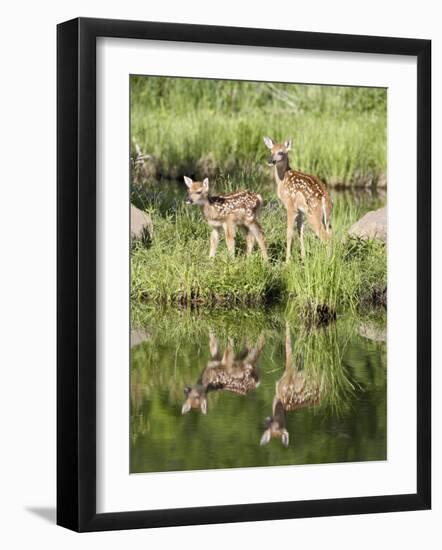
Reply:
x=278, y=151
x=197, y=191
x=275, y=427
x=195, y=399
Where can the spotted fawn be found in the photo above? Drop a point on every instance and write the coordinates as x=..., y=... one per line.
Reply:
x=294, y=390
x=238, y=209
x=305, y=197
x=230, y=372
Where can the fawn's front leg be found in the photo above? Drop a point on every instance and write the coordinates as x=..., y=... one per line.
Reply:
x=214, y=240
x=229, y=231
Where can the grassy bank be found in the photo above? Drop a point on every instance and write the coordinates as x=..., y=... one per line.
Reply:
x=175, y=267
x=207, y=128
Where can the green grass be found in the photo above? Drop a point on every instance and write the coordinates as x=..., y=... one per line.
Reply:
x=207, y=128
x=175, y=268
x=215, y=128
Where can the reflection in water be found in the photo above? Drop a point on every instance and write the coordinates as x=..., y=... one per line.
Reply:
x=235, y=373
x=296, y=388
x=325, y=390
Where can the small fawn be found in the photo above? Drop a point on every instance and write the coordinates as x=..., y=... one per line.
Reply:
x=230, y=372
x=304, y=196
x=293, y=391
x=227, y=212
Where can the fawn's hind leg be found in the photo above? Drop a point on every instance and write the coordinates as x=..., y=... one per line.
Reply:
x=256, y=230
x=250, y=239
x=290, y=223
x=213, y=346
x=300, y=222
x=229, y=231
x=316, y=222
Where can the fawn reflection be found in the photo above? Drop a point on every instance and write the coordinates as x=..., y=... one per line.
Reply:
x=237, y=373
x=296, y=388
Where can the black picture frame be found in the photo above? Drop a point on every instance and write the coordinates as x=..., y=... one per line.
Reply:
x=77, y=286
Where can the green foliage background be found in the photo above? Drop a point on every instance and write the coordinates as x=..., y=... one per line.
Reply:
x=212, y=127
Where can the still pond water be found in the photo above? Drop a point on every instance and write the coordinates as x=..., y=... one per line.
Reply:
x=262, y=391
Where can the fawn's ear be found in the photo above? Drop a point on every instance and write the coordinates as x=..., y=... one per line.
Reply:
x=268, y=142
x=188, y=181
x=186, y=407
x=204, y=406
x=206, y=184
x=288, y=144
x=285, y=438
x=265, y=437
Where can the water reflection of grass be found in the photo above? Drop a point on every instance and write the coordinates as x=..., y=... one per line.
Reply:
x=164, y=358
x=348, y=368
x=320, y=353
x=176, y=269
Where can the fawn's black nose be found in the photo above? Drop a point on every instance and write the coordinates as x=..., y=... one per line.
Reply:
x=188, y=200
x=271, y=161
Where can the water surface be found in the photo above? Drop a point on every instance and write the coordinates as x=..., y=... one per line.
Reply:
x=344, y=363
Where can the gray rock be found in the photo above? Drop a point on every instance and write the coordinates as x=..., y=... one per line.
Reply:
x=141, y=226
x=371, y=226
x=382, y=180
x=138, y=336
x=373, y=332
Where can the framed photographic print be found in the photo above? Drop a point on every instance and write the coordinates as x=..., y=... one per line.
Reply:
x=241, y=215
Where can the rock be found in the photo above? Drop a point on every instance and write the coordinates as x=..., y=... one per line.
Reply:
x=141, y=226
x=138, y=336
x=373, y=332
x=374, y=296
x=371, y=226
x=207, y=166
x=144, y=167
x=382, y=180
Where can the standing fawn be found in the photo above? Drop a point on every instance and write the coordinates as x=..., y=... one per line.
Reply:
x=294, y=390
x=235, y=373
x=227, y=212
x=305, y=197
